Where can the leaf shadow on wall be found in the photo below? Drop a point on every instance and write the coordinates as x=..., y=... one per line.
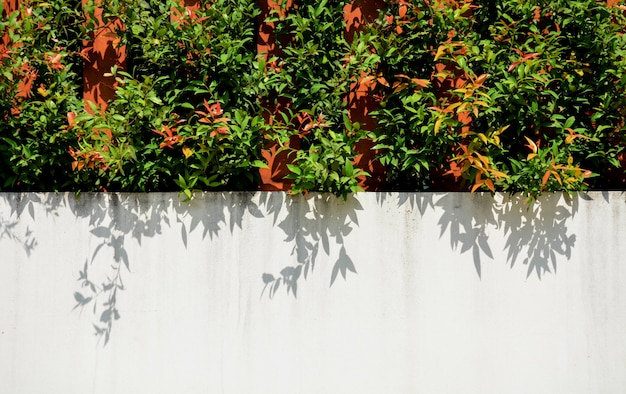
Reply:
x=12, y=226
x=318, y=220
x=116, y=218
x=536, y=232
x=119, y=222
x=316, y=224
x=113, y=220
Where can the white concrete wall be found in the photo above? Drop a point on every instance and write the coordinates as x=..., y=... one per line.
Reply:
x=404, y=293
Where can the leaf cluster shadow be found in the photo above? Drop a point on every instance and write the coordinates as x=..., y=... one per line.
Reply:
x=310, y=222
x=536, y=232
x=116, y=218
x=315, y=225
x=10, y=227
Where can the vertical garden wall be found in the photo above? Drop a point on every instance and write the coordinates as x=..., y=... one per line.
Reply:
x=335, y=96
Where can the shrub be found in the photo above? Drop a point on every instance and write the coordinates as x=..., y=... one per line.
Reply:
x=517, y=95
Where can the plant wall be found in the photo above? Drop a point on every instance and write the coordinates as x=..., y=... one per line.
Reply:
x=516, y=96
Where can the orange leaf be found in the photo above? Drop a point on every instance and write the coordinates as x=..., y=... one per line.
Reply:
x=383, y=81
x=399, y=87
x=421, y=82
x=490, y=186
x=402, y=11
x=481, y=79
x=366, y=80
x=545, y=178
x=478, y=184
x=71, y=116
x=513, y=65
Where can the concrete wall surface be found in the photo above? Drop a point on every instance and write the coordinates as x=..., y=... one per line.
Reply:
x=269, y=293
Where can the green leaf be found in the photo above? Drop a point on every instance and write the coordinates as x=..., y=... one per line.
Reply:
x=294, y=169
x=260, y=164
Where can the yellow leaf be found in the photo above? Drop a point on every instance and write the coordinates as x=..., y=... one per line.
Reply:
x=499, y=174
x=500, y=130
x=440, y=52
x=484, y=159
x=462, y=108
x=187, y=152
x=42, y=91
x=451, y=107
x=438, y=124
x=531, y=145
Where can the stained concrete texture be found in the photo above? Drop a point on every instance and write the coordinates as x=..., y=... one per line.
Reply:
x=271, y=293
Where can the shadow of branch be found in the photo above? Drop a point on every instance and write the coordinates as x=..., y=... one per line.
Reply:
x=115, y=218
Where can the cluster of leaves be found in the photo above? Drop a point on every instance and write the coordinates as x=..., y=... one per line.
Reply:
x=312, y=75
x=516, y=95
x=180, y=119
x=40, y=82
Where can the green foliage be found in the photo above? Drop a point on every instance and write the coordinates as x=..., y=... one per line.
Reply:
x=45, y=51
x=179, y=120
x=314, y=73
x=517, y=95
